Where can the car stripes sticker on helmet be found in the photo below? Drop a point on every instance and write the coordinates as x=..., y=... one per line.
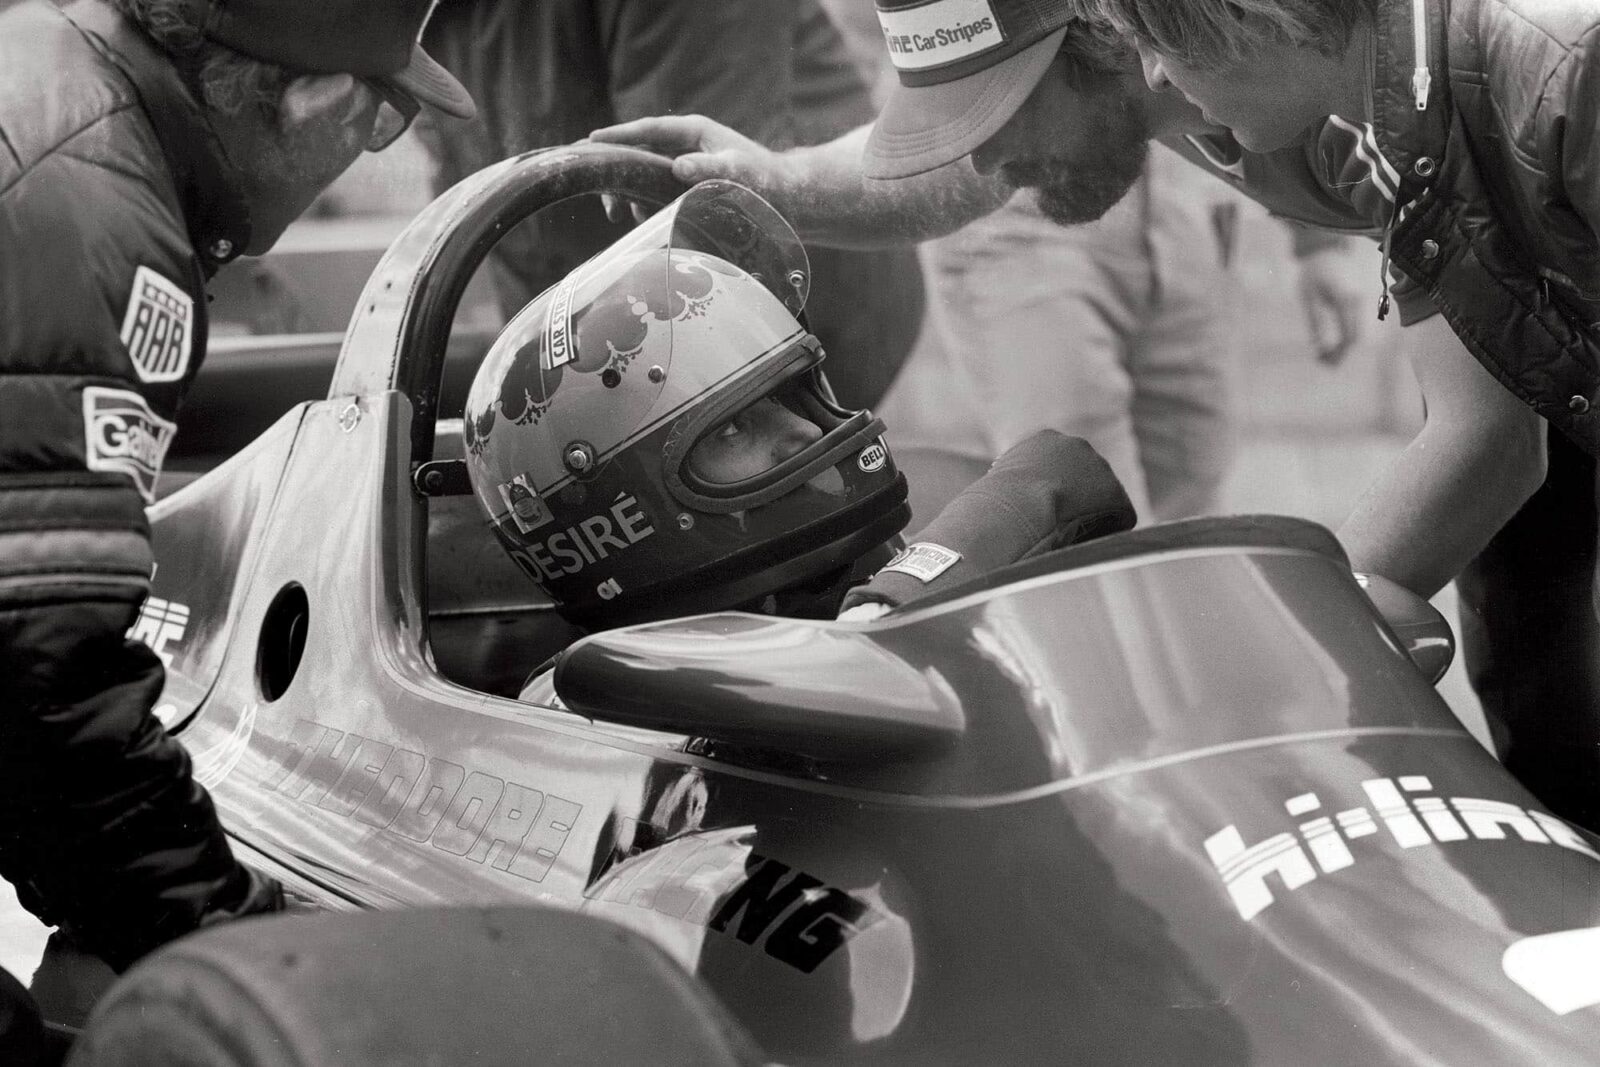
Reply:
x=158, y=327
x=924, y=561
x=933, y=34
x=122, y=434
x=559, y=349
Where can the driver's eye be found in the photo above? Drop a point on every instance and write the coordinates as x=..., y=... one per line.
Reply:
x=745, y=420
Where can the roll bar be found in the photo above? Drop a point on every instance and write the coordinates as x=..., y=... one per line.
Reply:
x=401, y=327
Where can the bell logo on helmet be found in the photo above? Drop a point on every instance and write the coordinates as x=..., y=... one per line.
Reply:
x=873, y=457
x=609, y=589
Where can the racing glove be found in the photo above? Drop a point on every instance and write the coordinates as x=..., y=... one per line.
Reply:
x=253, y=894
x=1046, y=492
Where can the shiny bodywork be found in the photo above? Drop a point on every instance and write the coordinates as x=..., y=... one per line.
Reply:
x=1078, y=820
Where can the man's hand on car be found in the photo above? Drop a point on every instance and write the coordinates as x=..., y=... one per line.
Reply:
x=702, y=149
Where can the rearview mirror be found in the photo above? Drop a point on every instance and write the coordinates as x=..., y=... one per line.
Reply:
x=1423, y=632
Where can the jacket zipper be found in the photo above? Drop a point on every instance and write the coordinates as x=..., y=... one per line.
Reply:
x=1421, y=85
x=1421, y=79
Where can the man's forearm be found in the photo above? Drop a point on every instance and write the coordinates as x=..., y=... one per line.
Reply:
x=1475, y=462
x=826, y=198
x=1432, y=511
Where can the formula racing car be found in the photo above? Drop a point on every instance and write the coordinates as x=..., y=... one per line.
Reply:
x=1176, y=795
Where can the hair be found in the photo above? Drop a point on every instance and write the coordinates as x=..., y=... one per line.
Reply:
x=226, y=81
x=1096, y=48
x=1216, y=34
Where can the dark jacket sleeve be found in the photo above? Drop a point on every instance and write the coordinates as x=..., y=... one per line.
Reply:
x=1047, y=492
x=102, y=828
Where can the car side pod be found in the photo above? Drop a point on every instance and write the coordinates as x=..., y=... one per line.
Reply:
x=828, y=691
x=496, y=987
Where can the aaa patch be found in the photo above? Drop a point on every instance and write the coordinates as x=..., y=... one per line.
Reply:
x=123, y=435
x=158, y=328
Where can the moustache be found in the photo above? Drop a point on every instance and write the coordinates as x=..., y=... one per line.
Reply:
x=1029, y=173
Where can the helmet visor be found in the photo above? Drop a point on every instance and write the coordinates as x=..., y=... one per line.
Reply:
x=726, y=220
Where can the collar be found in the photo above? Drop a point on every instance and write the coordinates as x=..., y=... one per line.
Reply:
x=207, y=184
x=1410, y=88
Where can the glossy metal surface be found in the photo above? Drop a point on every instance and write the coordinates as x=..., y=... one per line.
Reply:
x=1045, y=891
x=827, y=692
x=1417, y=624
x=1204, y=810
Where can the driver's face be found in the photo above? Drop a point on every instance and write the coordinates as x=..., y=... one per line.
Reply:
x=754, y=441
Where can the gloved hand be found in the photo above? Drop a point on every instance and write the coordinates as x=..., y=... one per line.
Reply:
x=1047, y=492
x=256, y=894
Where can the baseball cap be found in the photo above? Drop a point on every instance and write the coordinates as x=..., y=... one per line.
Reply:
x=965, y=66
x=367, y=38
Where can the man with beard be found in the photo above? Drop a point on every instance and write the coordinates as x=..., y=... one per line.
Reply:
x=1481, y=452
x=1107, y=331
x=1101, y=297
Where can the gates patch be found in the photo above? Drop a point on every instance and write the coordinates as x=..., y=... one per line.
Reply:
x=158, y=329
x=122, y=434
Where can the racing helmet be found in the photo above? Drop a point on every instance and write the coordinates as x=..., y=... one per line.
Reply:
x=583, y=426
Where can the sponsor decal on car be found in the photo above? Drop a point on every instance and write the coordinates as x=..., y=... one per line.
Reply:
x=527, y=509
x=425, y=799
x=1410, y=821
x=158, y=327
x=924, y=561
x=569, y=551
x=926, y=35
x=718, y=884
x=160, y=623
x=123, y=435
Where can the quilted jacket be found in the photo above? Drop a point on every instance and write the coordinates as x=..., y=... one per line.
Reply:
x=109, y=181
